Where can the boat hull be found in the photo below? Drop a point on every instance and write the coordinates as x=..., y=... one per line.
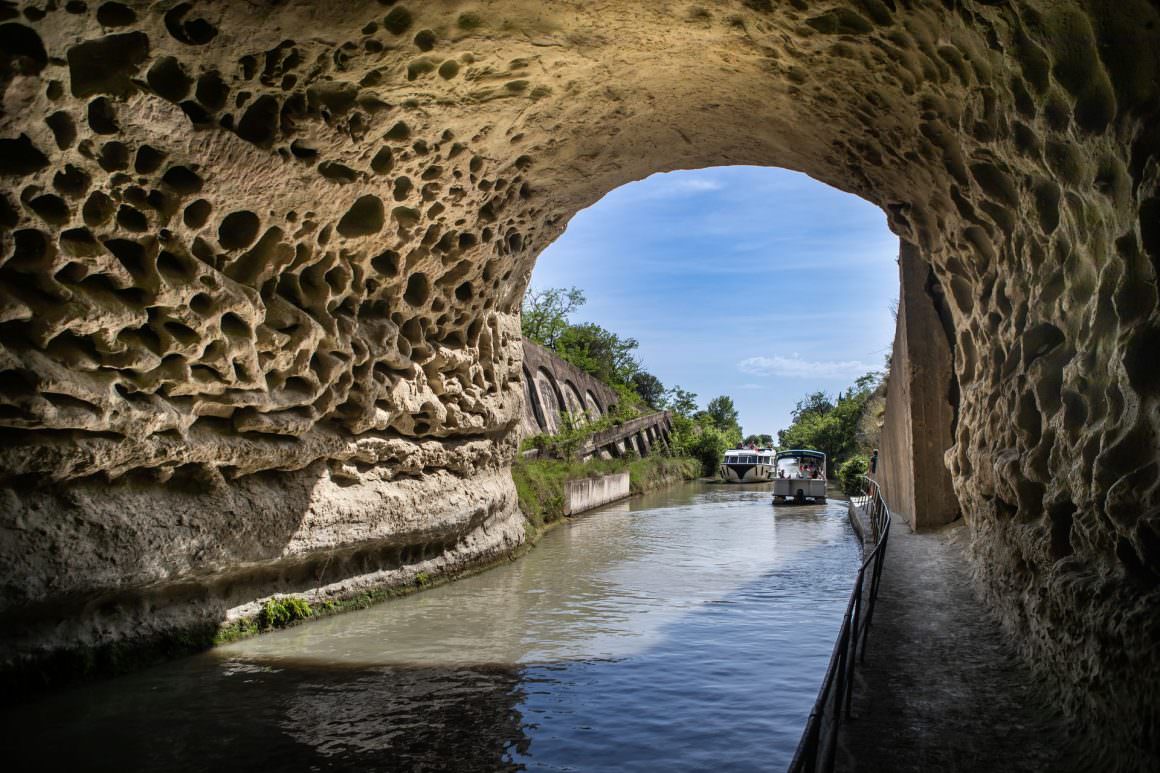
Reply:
x=799, y=489
x=746, y=473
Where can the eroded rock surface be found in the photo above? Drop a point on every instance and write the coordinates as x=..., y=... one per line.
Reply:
x=245, y=239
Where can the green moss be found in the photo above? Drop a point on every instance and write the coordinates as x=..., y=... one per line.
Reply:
x=281, y=612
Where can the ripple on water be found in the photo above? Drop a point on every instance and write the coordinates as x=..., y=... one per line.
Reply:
x=684, y=630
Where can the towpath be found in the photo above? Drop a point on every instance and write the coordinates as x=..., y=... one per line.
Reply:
x=942, y=690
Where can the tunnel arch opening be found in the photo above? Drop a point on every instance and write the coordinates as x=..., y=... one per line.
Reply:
x=1013, y=145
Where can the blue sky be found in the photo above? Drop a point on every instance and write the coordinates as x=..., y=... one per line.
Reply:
x=755, y=282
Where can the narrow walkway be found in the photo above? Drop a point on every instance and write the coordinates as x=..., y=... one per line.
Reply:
x=941, y=689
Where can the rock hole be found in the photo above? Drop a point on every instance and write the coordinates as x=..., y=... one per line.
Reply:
x=105, y=65
x=20, y=157
x=64, y=130
x=464, y=292
x=1140, y=361
x=98, y=209
x=418, y=290
x=72, y=181
x=49, y=208
x=22, y=49
x=448, y=70
x=406, y=217
x=238, y=230
x=365, y=217
x=130, y=254
x=402, y=188
x=132, y=219
x=174, y=268
x=259, y=123
x=336, y=172
x=114, y=156
x=425, y=40
x=182, y=179
x=386, y=263
x=102, y=118
x=197, y=213
x=383, y=161
x=211, y=90
x=234, y=326
x=168, y=79
x=115, y=15
x=302, y=151
x=201, y=304
x=29, y=248
x=400, y=131
x=183, y=334
x=193, y=32
x=398, y=20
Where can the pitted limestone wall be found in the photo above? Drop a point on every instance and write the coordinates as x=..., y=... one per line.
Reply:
x=256, y=245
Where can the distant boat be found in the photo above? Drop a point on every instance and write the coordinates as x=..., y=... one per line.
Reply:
x=799, y=474
x=747, y=465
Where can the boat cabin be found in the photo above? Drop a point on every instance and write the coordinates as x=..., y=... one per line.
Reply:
x=747, y=465
x=799, y=475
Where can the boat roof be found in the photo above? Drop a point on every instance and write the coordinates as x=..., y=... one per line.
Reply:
x=801, y=452
x=748, y=451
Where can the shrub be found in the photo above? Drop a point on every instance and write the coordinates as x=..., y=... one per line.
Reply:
x=850, y=474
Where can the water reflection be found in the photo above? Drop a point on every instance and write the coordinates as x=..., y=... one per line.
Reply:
x=680, y=631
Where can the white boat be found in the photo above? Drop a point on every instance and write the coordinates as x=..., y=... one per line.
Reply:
x=747, y=465
x=799, y=475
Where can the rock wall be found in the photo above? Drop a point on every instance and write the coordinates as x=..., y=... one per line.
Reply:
x=921, y=403
x=249, y=241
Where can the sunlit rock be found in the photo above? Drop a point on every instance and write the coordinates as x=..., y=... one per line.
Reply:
x=249, y=245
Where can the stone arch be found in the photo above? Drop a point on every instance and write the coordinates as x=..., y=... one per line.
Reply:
x=550, y=398
x=573, y=401
x=592, y=402
x=369, y=287
x=531, y=396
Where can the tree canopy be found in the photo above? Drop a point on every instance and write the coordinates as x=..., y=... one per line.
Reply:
x=544, y=314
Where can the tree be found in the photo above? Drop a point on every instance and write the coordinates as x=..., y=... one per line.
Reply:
x=600, y=352
x=681, y=402
x=723, y=412
x=650, y=389
x=815, y=402
x=834, y=429
x=761, y=441
x=544, y=314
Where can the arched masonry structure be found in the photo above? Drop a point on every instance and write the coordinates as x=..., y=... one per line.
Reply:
x=262, y=265
x=554, y=387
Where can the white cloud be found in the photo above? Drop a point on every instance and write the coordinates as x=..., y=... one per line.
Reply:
x=673, y=186
x=796, y=367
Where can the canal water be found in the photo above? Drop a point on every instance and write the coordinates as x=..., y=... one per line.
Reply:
x=686, y=630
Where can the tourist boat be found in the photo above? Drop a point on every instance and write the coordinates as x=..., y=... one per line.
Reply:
x=799, y=475
x=747, y=465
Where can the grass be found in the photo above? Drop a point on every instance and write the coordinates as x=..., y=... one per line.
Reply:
x=540, y=482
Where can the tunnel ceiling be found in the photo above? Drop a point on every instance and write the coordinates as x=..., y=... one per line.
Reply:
x=253, y=236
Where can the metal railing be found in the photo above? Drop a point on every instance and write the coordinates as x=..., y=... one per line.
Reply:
x=819, y=742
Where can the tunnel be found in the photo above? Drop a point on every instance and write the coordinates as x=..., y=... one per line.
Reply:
x=262, y=265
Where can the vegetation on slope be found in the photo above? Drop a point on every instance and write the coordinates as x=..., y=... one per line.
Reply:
x=846, y=429
x=540, y=482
